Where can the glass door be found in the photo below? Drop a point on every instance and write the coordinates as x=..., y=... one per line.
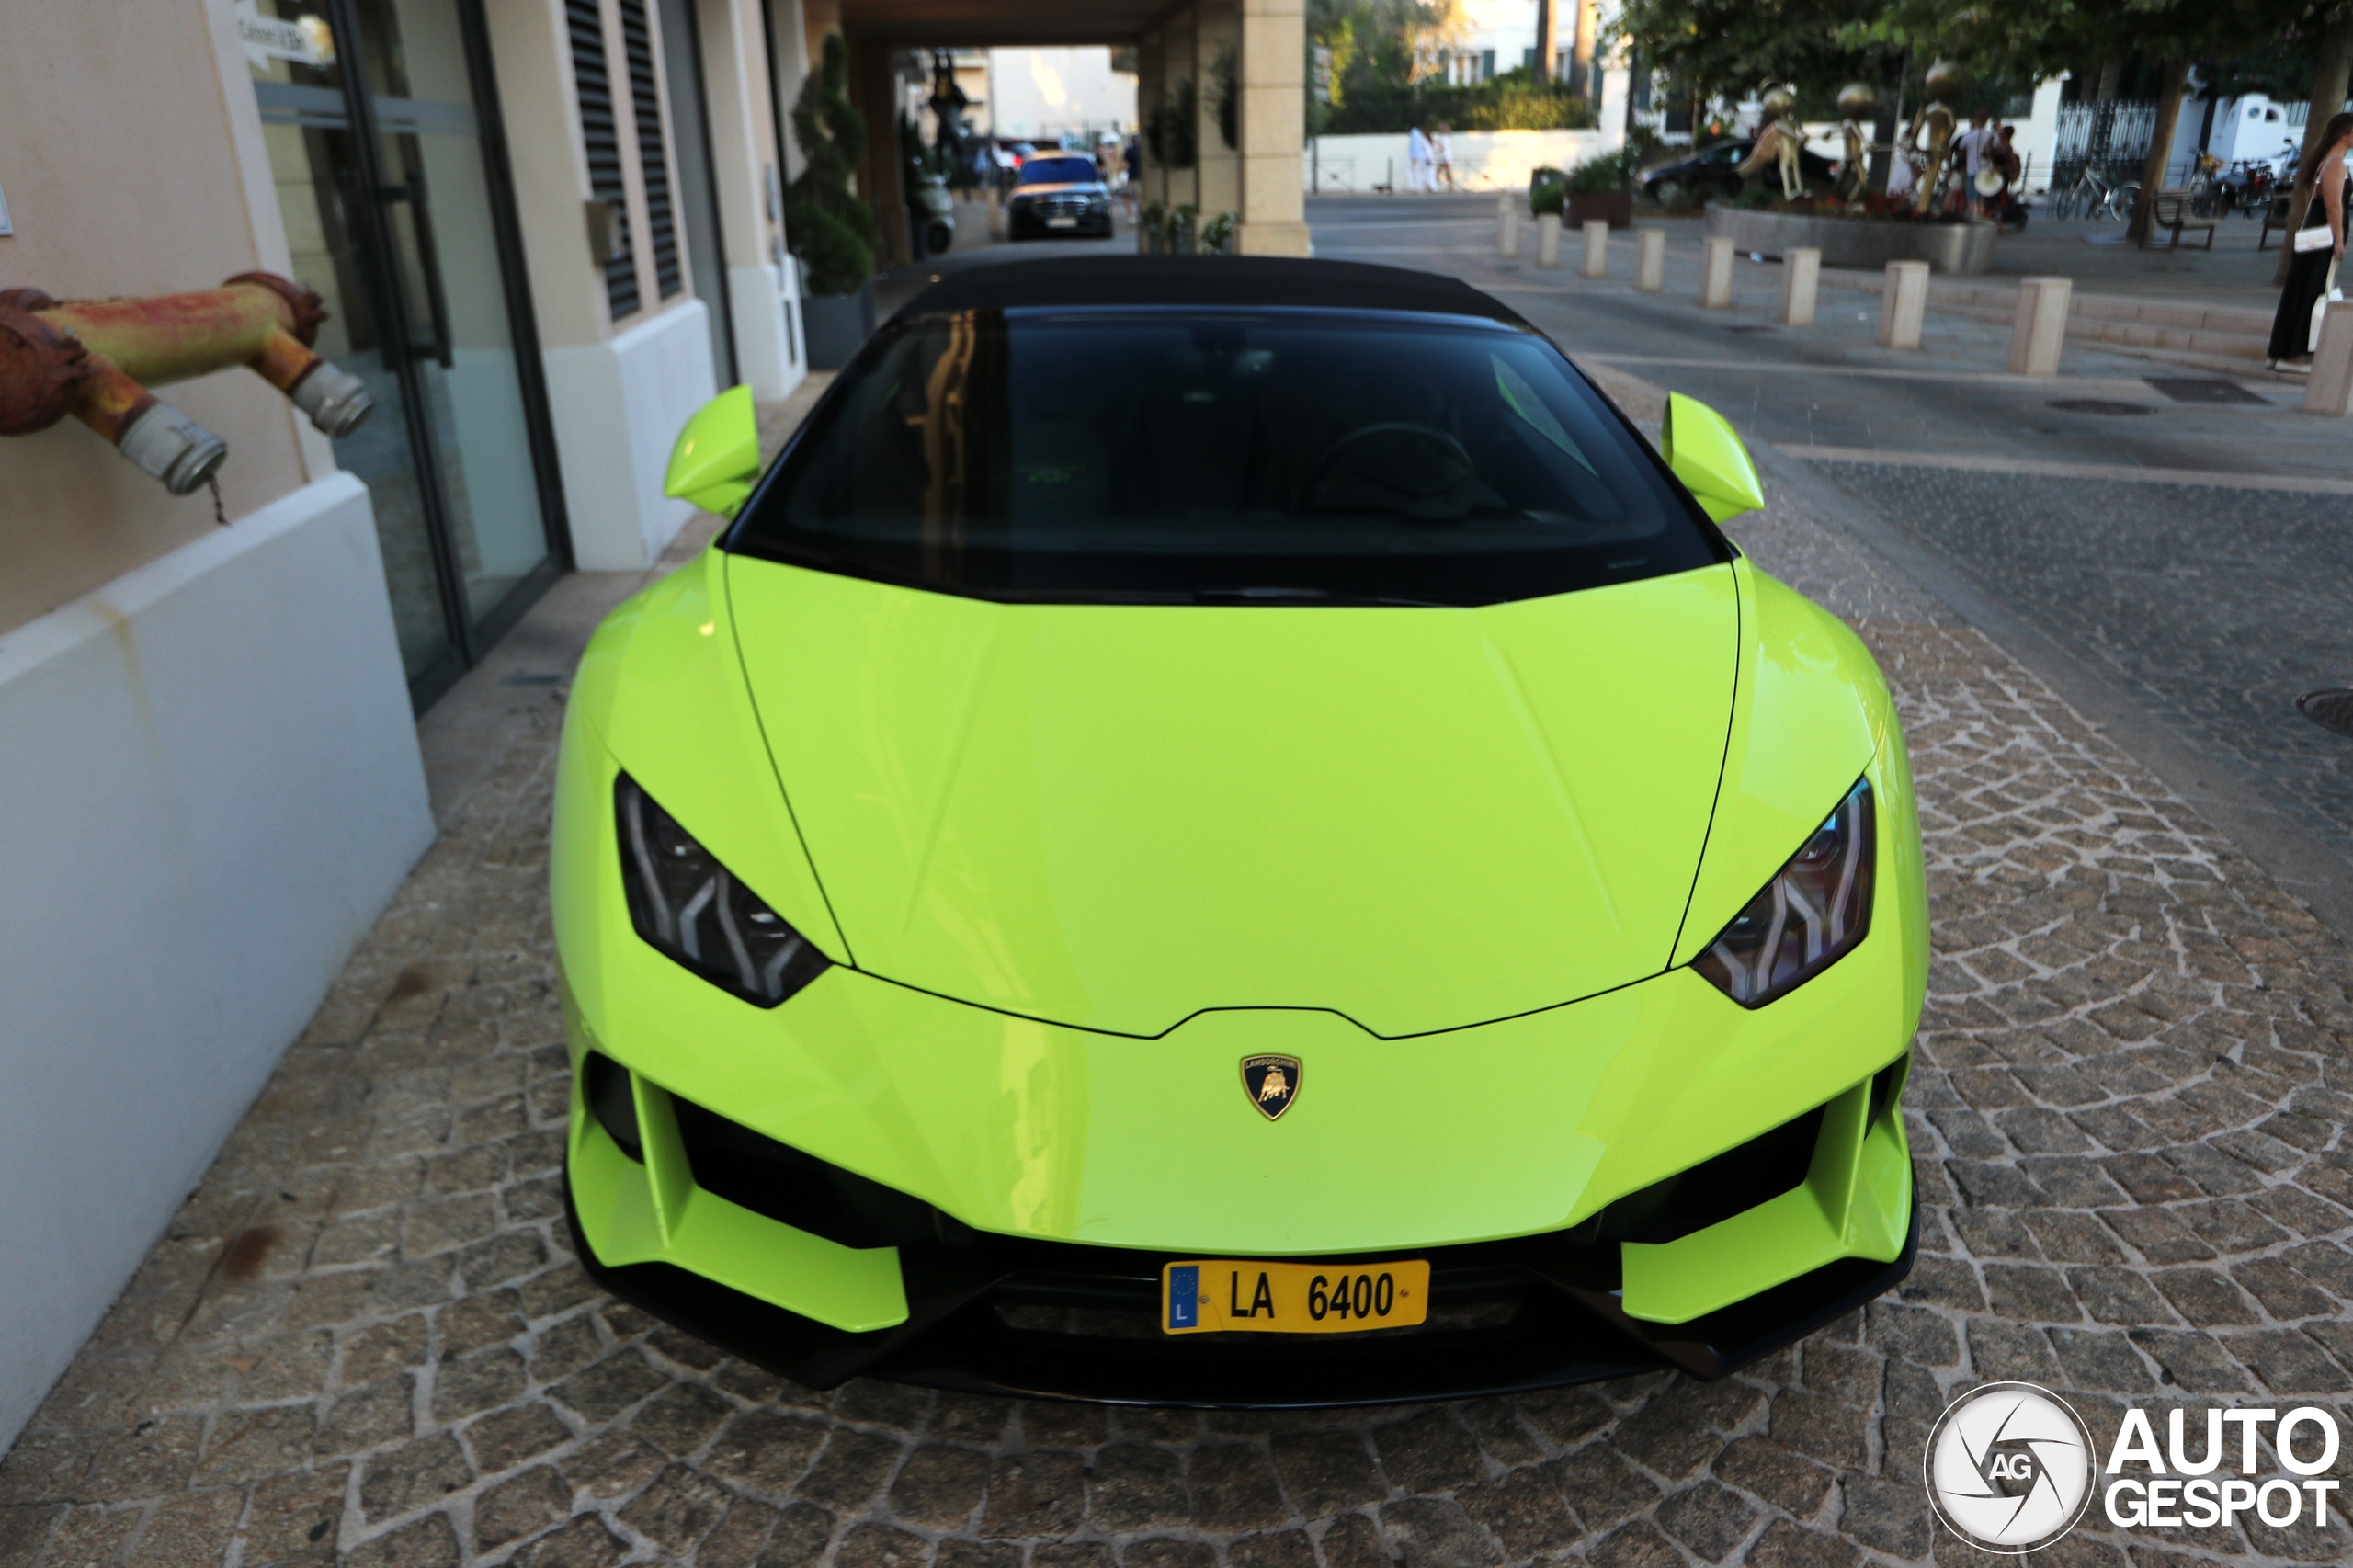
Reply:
x=381, y=138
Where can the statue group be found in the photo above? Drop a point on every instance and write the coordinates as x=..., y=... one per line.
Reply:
x=1926, y=144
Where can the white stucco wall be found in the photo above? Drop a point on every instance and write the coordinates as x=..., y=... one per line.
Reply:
x=213, y=789
x=1483, y=159
x=618, y=407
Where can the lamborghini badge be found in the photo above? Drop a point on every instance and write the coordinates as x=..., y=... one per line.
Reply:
x=1271, y=1081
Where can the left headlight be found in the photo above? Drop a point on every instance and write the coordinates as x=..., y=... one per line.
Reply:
x=1810, y=915
x=693, y=910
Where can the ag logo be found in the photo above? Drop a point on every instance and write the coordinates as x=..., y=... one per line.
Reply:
x=1272, y=1083
x=2009, y=1468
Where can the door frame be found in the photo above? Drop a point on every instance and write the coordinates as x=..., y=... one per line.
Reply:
x=468, y=641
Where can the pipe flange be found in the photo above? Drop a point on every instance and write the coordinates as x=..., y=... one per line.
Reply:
x=308, y=308
x=41, y=364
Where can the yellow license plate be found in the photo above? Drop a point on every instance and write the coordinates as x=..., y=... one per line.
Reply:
x=1211, y=1295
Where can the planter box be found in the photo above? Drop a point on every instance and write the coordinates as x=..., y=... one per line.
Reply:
x=1615, y=207
x=837, y=326
x=1861, y=243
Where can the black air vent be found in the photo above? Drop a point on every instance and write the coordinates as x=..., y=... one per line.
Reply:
x=646, y=104
x=593, y=81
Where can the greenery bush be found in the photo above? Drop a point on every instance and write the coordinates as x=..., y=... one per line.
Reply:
x=1168, y=131
x=1604, y=172
x=1514, y=101
x=1547, y=191
x=1217, y=235
x=829, y=228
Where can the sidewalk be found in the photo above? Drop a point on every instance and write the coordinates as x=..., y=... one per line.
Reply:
x=363, y=1340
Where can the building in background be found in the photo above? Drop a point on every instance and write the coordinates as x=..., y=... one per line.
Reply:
x=1045, y=94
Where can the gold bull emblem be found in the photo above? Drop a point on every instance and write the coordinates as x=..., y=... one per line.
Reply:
x=1272, y=1083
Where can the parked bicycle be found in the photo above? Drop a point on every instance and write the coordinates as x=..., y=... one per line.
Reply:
x=2092, y=196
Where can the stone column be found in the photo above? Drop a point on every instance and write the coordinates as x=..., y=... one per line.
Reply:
x=1597, y=248
x=1903, y=305
x=2330, y=389
x=1548, y=239
x=2040, y=332
x=1217, y=30
x=1801, y=283
x=1649, y=277
x=1274, y=108
x=1715, y=274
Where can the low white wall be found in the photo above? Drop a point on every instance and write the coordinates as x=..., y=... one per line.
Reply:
x=618, y=407
x=768, y=352
x=211, y=788
x=1483, y=159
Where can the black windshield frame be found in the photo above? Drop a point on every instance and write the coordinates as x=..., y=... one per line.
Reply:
x=762, y=530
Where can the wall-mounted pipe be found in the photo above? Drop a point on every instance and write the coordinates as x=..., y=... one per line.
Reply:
x=95, y=360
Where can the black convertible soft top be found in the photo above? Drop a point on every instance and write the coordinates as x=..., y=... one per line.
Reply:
x=1206, y=281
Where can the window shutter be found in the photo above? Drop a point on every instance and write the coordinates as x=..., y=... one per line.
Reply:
x=593, y=81
x=646, y=104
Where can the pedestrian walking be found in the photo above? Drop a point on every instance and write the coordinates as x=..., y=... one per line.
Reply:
x=1442, y=157
x=1973, y=145
x=1417, y=160
x=2320, y=245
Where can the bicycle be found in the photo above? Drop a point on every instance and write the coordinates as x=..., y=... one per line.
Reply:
x=2092, y=197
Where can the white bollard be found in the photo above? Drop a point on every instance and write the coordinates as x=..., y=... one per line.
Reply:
x=1801, y=281
x=1597, y=248
x=1715, y=275
x=1649, y=277
x=2040, y=330
x=1548, y=239
x=2330, y=389
x=1903, y=305
x=1506, y=227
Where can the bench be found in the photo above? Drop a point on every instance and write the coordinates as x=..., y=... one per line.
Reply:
x=2275, y=216
x=2171, y=210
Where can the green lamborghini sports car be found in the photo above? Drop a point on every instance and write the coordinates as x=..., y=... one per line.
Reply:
x=1227, y=832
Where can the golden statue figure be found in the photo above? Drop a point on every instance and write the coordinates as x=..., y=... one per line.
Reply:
x=1778, y=141
x=1856, y=102
x=1928, y=139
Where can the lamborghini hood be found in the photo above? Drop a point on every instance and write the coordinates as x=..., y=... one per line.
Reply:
x=1117, y=816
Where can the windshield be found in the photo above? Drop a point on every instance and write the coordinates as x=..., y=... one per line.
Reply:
x=1119, y=454
x=1058, y=171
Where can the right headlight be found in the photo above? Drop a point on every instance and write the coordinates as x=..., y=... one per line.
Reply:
x=691, y=909
x=1811, y=914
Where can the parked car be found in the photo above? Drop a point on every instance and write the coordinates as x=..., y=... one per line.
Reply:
x=1227, y=832
x=1710, y=173
x=1058, y=193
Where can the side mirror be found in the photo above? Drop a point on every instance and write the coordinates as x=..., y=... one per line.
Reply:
x=717, y=460
x=1708, y=458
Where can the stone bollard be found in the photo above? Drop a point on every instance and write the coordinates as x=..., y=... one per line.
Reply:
x=1506, y=227
x=1715, y=274
x=1649, y=277
x=1548, y=239
x=1903, y=305
x=1597, y=248
x=2330, y=389
x=2040, y=330
x=1801, y=281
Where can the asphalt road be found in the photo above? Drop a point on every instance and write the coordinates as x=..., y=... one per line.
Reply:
x=2177, y=570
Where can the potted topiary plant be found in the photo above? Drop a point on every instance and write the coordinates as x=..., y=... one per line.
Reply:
x=827, y=227
x=1602, y=186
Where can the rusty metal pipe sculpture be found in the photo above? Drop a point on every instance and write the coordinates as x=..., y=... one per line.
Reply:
x=95, y=360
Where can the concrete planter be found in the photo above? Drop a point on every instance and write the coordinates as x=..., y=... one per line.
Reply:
x=1863, y=243
x=1615, y=207
x=838, y=325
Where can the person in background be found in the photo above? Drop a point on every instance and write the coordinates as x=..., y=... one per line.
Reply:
x=1973, y=145
x=1442, y=155
x=2313, y=271
x=1417, y=160
x=1132, y=185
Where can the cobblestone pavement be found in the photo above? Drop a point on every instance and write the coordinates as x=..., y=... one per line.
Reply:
x=2216, y=607
x=362, y=1340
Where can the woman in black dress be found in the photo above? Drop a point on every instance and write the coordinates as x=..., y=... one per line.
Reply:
x=2309, y=273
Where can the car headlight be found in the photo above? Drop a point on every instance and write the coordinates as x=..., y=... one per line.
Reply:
x=692, y=909
x=1811, y=914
